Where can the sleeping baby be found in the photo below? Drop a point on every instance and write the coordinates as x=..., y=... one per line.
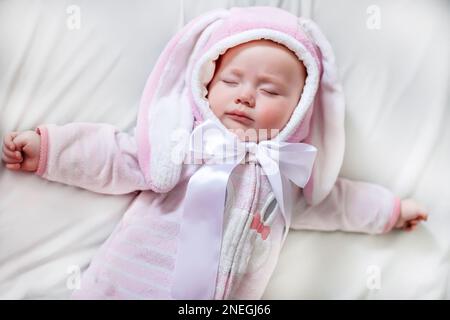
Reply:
x=239, y=138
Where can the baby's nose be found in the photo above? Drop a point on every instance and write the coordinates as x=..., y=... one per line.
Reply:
x=245, y=97
x=245, y=101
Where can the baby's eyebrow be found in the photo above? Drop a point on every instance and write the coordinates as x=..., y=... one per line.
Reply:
x=271, y=79
x=263, y=78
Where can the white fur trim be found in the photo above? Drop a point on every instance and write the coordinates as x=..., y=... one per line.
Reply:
x=202, y=73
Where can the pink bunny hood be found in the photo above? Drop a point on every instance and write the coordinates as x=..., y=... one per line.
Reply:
x=174, y=96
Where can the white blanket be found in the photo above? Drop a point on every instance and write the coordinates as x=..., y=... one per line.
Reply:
x=393, y=60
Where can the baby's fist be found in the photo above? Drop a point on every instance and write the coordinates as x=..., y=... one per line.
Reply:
x=21, y=150
x=410, y=215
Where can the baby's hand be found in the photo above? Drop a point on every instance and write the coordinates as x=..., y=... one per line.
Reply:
x=410, y=215
x=21, y=150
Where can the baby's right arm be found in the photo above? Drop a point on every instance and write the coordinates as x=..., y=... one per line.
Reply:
x=21, y=150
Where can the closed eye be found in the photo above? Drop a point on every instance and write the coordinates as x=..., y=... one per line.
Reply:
x=273, y=93
x=230, y=82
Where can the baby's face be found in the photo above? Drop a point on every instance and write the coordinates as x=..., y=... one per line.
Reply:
x=256, y=85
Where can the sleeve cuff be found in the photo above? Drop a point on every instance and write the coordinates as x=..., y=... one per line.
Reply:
x=394, y=215
x=43, y=150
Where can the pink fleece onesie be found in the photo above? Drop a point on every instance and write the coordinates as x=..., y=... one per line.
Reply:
x=137, y=260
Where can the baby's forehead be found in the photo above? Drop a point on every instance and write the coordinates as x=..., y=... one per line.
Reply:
x=261, y=44
x=273, y=54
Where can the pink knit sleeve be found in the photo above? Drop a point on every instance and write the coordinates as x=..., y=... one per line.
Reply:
x=93, y=156
x=43, y=150
x=394, y=216
x=353, y=206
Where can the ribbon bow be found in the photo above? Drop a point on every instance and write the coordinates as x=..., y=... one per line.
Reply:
x=201, y=230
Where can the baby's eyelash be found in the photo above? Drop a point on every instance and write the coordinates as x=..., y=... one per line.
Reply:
x=271, y=92
x=229, y=82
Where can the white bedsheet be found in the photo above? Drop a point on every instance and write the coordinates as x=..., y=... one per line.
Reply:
x=396, y=83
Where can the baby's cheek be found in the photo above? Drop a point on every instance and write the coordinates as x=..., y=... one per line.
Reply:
x=273, y=117
x=217, y=101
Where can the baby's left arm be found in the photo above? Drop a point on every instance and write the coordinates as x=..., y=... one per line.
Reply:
x=357, y=206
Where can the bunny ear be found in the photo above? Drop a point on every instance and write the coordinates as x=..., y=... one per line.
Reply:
x=326, y=128
x=164, y=107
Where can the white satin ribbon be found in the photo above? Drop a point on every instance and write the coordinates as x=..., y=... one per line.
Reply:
x=200, y=241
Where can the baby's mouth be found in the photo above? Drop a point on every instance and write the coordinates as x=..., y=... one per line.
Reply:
x=240, y=117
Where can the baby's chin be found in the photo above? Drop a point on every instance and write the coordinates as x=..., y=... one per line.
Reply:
x=247, y=133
